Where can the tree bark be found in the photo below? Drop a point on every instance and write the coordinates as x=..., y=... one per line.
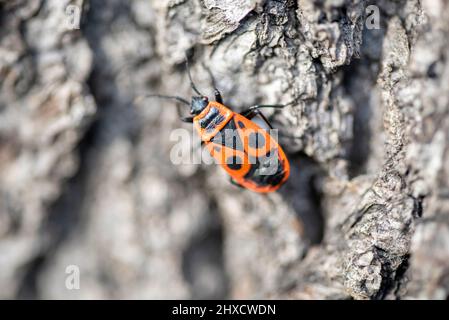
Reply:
x=85, y=172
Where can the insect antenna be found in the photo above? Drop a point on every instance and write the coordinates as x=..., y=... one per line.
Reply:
x=161, y=96
x=190, y=78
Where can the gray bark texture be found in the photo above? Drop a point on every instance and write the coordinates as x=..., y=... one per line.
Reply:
x=86, y=178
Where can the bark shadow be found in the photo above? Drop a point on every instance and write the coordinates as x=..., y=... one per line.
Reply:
x=203, y=261
x=301, y=192
x=359, y=82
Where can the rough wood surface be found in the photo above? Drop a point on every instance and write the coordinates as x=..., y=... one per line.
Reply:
x=85, y=171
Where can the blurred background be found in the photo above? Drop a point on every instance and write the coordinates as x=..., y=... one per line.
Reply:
x=91, y=207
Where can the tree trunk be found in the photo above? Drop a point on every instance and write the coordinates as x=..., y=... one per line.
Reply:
x=86, y=179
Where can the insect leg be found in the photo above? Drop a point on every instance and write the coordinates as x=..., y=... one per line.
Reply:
x=275, y=106
x=283, y=135
x=260, y=106
x=235, y=183
x=251, y=113
x=187, y=119
x=218, y=96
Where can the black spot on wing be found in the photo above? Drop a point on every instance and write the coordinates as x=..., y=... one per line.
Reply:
x=234, y=162
x=229, y=137
x=267, y=170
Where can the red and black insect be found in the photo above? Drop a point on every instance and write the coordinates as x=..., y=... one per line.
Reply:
x=249, y=154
